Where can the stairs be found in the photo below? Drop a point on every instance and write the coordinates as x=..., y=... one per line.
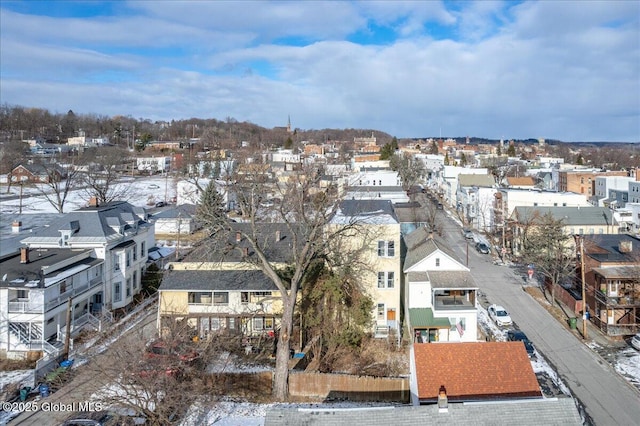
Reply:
x=27, y=333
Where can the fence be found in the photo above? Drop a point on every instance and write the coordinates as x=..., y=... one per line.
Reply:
x=348, y=387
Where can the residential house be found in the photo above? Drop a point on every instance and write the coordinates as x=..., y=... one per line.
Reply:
x=37, y=173
x=220, y=289
x=507, y=199
x=448, y=186
x=475, y=197
x=522, y=182
x=153, y=165
x=440, y=292
x=612, y=191
x=178, y=220
x=118, y=233
x=472, y=372
x=375, y=184
x=383, y=276
x=612, y=282
x=38, y=289
x=576, y=221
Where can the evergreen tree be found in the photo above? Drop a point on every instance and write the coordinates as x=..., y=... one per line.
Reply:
x=434, y=148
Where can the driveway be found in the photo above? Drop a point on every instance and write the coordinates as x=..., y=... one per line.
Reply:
x=607, y=398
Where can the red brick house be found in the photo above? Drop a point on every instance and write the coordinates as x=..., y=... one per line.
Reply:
x=37, y=173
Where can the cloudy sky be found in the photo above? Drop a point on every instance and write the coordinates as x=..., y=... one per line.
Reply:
x=567, y=70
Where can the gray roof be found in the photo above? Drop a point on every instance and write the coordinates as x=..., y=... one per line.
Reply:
x=421, y=243
x=93, y=223
x=534, y=412
x=240, y=280
x=571, y=216
x=183, y=211
x=31, y=224
x=214, y=250
x=606, y=247
x=630, y=272
x=487, y=181
x=452, y=280
x=14, y=273
x=365, y=207
x=411, y=212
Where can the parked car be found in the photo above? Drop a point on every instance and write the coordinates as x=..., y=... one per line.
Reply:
x=635, y=341
x=98, y=418
x=468, y=234
x=153, y=186
x=519, y=336
x=160, y=204
x=482, y=248
x=159, y=350
x=499, y=315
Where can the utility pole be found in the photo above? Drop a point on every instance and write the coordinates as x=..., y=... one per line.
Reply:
x=67, y=334
x=584, y=299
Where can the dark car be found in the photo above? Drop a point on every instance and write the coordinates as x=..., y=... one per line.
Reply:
x=161, y=204
x=97, y=418
x=482, y=248
x=519, y=336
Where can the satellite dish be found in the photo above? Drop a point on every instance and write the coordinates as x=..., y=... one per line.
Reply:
x=4, y=277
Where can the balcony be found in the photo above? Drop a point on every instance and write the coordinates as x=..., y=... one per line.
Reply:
x=452, y=303
x=73, y=292
x=622, y=300
x=25, y=306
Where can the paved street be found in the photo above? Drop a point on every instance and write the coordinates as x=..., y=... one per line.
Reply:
x=608, y=398
x=83, y=385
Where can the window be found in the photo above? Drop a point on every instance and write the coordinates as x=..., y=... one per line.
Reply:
x=381, y=311
x=380, y=183
x=221, y=297
x=135, y=279
x=386, y=279
x=244, y=297
x=437, y=261
x=258, y=324
x=268, y=323
x=142, y=248
x=117, y=292
x=128, y=258
x=116, y=262
x=128, y=287
x=63, y=287
x=199, y=297
x=386, y=248
x=135, y=252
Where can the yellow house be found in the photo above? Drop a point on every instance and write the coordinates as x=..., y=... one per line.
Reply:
x=382, y=276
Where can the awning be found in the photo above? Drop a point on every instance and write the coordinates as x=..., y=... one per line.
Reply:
x=423, y=318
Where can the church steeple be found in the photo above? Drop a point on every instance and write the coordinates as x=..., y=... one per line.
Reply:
x=289, y=123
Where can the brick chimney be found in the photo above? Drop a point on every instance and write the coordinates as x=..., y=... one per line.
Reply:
x=443, y=401
x=245, y=251
x=238, y=237
x=93, y=202
x=625, y=246
x=24, y=254
x=16, y=226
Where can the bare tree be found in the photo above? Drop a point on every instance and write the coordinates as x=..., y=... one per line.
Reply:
x=12, y=153
x=549, y=249
x=297, y=203
x=58, y=184
x=102, y=172
x=410, y=170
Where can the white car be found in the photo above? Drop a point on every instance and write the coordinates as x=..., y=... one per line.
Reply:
x=635, y=341
x=499, y=315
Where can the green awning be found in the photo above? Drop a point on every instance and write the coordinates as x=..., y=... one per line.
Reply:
x=423, y=318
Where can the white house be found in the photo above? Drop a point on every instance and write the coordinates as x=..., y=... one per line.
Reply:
x=153, y=164
x=606, y=184
x=118, y=233
x=449, y=185
x=440, y=293
x=39, y=287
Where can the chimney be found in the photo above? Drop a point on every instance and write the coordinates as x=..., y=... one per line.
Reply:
x=277, y=236
x=16, y=226
x=93, y=202
x=625, y=246
x=238, y=237
x=443, y=401
x=24, y=254
x=245, y=251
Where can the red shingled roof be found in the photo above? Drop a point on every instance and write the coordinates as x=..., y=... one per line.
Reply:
x=474, y=371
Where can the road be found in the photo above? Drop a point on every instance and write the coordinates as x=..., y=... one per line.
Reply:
x=608, y=398
x=86, y=381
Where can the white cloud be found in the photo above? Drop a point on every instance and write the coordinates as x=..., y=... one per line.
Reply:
x=545, y=69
